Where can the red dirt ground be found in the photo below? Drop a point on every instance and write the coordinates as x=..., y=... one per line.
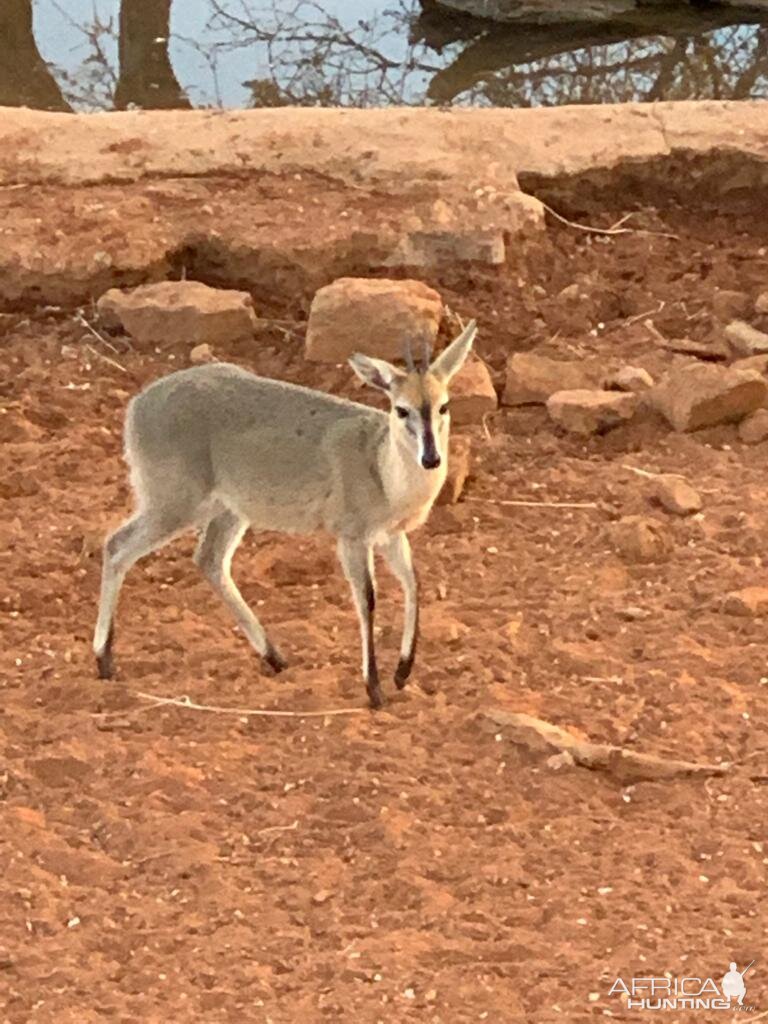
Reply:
x=163, y=864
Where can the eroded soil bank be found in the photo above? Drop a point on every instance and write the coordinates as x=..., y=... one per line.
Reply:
x=160, y=863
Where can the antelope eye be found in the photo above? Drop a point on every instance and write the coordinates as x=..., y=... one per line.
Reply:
x=443, y=409
x=402, y=412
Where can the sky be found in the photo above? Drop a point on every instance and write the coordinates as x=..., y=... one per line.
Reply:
x=63, y=45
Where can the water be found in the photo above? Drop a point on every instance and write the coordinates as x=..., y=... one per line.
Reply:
x=100, y=54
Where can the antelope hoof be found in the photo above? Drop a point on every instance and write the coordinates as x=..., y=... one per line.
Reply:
x=375, y=696
x=402, y=672
x=273, y=661
x=104, y=665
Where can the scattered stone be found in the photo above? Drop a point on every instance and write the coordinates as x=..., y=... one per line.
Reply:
x=174, y=312
x=458, y=470
x=571, y=293
x=629, y=378
x=745, y=339
x=440, y=248
x=532, y=379
x=759, y=363
x=640, y=539
x=754, y=428
x=728, y=305
x=590, y=412
x=202, y=354
x=714, y=351
x=322, y=896
x=472, y=393
x=373, y=316
x=702, y=395
x=751, y=601
x=633, y=613
x=675, y=494
x=761, y=303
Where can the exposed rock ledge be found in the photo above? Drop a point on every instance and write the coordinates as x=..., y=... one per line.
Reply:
x=401, y=147
x=280, y=202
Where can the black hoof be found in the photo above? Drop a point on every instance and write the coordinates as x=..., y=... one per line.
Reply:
x=273, y=661
x=104, y=665
x=403, y=671
x=375, y=697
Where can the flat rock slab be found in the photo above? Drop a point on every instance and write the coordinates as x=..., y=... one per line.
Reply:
x=590, y=412
x=703, y=394
x=531, y=378
x=374, y=316
x=403, y=148
x=172, y=312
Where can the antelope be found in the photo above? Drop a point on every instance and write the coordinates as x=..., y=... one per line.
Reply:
x=218, y=449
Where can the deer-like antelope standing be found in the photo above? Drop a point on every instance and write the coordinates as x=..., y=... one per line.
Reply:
x=219, y=449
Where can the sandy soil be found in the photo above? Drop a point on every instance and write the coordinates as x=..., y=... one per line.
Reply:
x=161, y=864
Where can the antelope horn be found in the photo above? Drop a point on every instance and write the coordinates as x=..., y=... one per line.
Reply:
x=408, y=354
x=426, y=355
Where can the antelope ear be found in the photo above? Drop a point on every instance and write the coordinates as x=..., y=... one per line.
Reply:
x=376, y=372
x=451, y=359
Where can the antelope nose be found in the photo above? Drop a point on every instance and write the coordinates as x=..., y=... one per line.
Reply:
x=430, y=461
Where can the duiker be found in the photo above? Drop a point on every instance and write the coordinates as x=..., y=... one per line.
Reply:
x=219, y=449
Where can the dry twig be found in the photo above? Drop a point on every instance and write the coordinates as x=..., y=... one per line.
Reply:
x=99, y=337
x=536, y=504
x=625, y=764
x=106, y=359
x=643, y=472
x=279, y=828
x=185, y=702
x=616, y=229
x=647, y=313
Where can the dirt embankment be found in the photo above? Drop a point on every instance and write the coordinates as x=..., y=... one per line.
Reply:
x=418, y=865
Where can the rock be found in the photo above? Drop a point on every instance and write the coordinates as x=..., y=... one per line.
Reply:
x=180, y=312
x=202, y=354
x=640, y=539
x=746, y=340
x=675, y=494
x=376, y=317
x=629, y=378
x=458, y=470
x=754, y=428
x=571, y=293
x=761, y=303
x=322, y=896
x=702, y=395
x=590, y=412
x=472, y=393
x=634, y=613
x=728, y=305
x=443, y=248
x=532, y=378
x=715, y=350
x=751, y=601
x=759, y=363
